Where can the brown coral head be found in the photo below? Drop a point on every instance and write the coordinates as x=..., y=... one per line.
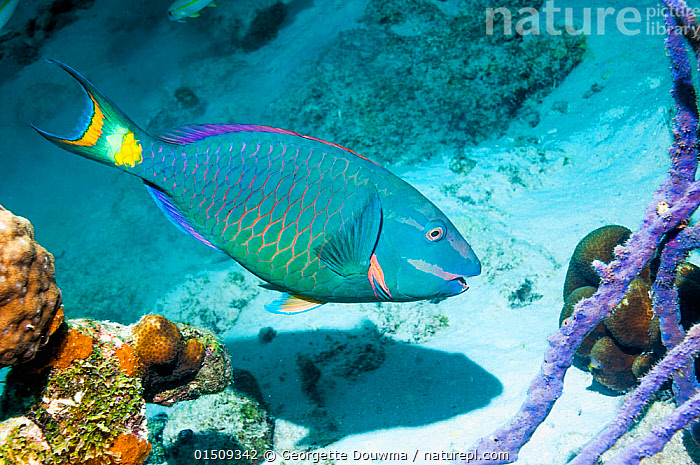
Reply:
x=642, y=364
x=165, y=356
x=190, y=360
x=611, y=366
x=29, y=297
x=593, y=335
x=597, y=245
x=630, y=320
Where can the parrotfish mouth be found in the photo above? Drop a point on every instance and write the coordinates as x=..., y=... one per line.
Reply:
x=462, y=282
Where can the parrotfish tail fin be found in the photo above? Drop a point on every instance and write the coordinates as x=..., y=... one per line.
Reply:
x=103, y=133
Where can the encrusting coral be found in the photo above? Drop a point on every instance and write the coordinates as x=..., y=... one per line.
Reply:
x=30, y=301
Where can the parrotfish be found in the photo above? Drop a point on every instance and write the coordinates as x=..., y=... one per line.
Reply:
x=181, y=9
x=314, y=220
x=7, y=7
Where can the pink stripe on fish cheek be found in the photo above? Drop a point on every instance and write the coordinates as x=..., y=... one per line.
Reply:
x=432, y=269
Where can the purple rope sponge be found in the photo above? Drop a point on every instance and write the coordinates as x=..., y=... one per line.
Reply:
x=670, y=208
x=675, y=359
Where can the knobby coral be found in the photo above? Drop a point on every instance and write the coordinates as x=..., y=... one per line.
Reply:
x=30, y=301
x=177, y=361
x=664, y=229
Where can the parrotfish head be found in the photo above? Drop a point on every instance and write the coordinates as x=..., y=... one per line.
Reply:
x=421, y=253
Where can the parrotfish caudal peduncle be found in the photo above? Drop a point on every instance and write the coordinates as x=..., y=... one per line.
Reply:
x=311, y=218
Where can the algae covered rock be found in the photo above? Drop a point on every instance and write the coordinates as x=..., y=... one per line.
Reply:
x=82, y=399
x=79, y=404
x=414, y=79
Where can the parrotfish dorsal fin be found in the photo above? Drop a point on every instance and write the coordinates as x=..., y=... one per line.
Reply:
x=194, y=132
x=173, y=214
x=292, y=304
x=349, y=251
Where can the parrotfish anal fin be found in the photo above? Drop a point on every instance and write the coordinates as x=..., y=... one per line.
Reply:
x=349, y=251
x=292, y=304
x=194, y=132
x=173, y=214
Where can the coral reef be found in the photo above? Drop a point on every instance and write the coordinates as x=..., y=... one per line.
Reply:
x=79, y=396
x=81, y=400
x=664, y=232
x=612, y=348
x=413, y=68
x=30, y=301
x=76, y=403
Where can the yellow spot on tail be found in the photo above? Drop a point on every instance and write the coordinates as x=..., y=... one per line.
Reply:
x=94, y=130
x=129, y=153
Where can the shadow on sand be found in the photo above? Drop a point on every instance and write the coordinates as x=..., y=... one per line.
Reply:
x=339, y=383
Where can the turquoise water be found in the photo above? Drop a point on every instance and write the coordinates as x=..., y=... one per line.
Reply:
x=527, y=144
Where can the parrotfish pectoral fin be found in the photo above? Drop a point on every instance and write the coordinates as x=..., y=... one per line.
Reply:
x=292, y=304
x=349, y=251
x=103, y=133
x=375, y=274
x=174, y=214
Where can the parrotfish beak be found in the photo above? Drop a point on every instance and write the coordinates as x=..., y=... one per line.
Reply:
x=457, y=286
x=470, y=266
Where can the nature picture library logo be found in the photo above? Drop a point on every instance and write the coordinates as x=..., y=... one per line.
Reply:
x=554, y=20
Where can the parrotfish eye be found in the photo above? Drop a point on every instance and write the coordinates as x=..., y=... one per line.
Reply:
x=435, y=230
